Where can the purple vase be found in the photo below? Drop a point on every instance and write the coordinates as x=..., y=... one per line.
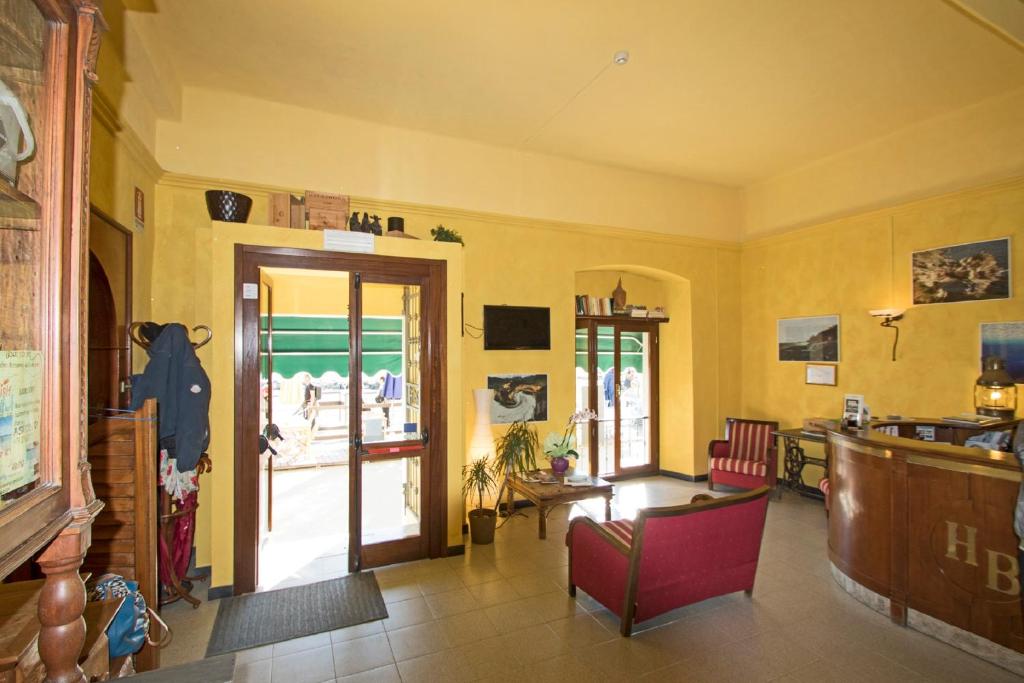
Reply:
x=559, y=465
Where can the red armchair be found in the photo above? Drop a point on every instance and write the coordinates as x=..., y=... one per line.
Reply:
x=747, y=457
x=668, y=557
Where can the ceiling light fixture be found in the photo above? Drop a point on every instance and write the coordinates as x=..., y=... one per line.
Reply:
x=621, y=57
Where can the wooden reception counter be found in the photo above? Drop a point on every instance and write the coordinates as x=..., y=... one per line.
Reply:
x=923, y=532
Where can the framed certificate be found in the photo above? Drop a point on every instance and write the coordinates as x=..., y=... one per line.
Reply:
x=821, y=373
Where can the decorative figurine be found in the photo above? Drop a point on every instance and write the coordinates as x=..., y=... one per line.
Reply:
x=375, y=227
x=619, y=297
x=353, y=222
x=364, y=225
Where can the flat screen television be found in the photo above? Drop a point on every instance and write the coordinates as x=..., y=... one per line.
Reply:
x=517, y=328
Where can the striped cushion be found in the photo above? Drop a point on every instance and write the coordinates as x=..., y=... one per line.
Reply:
x=621, y=529
x=739, y=466
x=749, y=440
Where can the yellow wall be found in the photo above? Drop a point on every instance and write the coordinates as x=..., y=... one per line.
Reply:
x=976, y=145
x=119, y=164
x=297, y=293
x=224, y=135
x=861, y=263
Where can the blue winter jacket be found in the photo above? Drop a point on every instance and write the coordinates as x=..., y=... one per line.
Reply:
x=181, y=388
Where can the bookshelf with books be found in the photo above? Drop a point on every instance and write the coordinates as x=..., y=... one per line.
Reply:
x=593, y=307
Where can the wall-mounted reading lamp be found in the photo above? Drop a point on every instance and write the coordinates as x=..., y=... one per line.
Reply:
x=890, y=316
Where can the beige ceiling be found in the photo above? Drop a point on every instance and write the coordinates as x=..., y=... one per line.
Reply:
x=728, y=91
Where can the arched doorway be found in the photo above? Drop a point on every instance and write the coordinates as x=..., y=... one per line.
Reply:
x=637, y=374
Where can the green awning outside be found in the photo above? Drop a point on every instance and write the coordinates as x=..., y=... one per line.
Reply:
x=632, y=350
x=319, y=344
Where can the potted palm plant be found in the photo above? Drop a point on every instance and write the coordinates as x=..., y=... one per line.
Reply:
x=478, y=480
x=515, y=452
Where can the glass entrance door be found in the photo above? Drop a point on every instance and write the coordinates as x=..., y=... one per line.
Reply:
x=617, y=377
x=389, y=385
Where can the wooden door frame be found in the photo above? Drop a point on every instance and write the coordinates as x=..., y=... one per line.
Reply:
x=404, y=549
x=248, y=260
x=129, y=237
x=594, y=394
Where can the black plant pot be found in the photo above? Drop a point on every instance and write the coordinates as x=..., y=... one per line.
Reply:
x=228, y=206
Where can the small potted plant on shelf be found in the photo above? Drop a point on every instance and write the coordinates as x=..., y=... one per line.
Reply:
x=558, y=448
x=443, y=234
x=478, y=480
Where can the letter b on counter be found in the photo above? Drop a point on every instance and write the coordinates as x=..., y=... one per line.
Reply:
x=1002, y=570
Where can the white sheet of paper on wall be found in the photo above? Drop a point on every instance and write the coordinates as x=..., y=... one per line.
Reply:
x=250, y=290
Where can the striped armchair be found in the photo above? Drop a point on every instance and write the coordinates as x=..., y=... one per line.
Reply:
x=668, y=557
x=746, y=458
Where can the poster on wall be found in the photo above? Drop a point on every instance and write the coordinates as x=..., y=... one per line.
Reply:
x=1005, y=340
x=518, y=397
x=976, y=271
x=809, y=339
x=20, y=413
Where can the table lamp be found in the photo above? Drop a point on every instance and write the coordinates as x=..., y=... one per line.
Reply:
x=995, y=393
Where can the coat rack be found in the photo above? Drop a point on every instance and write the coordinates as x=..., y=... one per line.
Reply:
x=135, y=332
x=177, y=518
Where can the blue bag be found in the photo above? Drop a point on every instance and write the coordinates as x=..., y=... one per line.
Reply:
x=129, y=629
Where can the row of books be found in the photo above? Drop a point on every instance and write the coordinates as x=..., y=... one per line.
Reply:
x=593, y=305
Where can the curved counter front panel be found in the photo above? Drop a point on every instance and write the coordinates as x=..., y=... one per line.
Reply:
x=925, y=531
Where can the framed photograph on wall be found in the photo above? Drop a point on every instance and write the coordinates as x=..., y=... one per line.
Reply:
x=974, y=271
x=518, y=397
x=809, y=339
x=1005, y=340
x=821, y=373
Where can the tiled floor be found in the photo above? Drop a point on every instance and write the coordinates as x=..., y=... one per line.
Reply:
x=501, y=612
x=298, y=552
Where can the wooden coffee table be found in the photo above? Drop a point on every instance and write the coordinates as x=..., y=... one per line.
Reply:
x=547, y=496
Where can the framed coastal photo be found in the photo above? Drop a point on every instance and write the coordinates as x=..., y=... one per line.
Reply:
x=809, y=339
x=820, y=373
x=1005, y=340
x=518, y=397
x=975, y=271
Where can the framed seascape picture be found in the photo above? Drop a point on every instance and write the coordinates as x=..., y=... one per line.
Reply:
x=809, y=339
x=1005, y=340
x=975, y=271
x=820, y=373
x=518, y=397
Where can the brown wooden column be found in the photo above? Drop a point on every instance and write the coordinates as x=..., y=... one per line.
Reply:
x=61, y=604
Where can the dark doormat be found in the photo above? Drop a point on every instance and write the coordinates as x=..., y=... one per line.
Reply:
x=258, y=619
x=214, y=670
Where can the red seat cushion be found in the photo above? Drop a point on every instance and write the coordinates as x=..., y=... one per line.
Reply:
x=621, y=529
x=824, y=486
x=739, y=466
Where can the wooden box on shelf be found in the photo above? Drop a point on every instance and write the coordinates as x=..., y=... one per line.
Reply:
x=287, y=210
x=327, y=211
